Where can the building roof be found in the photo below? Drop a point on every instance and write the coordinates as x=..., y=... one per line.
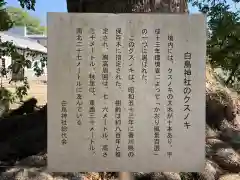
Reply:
x=36, y=36
x=22, y=42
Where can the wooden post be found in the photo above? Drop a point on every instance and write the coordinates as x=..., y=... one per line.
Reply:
x=125, y=176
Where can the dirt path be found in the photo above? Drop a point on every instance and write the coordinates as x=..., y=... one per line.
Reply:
x=37, y=89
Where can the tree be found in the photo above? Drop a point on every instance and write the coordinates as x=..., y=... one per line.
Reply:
x=21, y=17
x=126, y=6
x=17, y=55
x=223, y=45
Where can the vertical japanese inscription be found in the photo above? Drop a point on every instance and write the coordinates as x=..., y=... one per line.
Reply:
x=119, y=57
x=92, y=89
x=78, y=86
x=129, y=102
x=144, y=55
x=118, y=102
x=156, y=110
x=118, y=122
x=64, y=125
x=187, y=88
x=170, y=94
x=131, y=97
x=104, y=80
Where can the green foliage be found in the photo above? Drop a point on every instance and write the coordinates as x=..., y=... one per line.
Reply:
x=20, y=61
x=20, y=57
x=22, y=91
x=6, y=95
x=5, y=20
x=21, y=17
x=29, y=4
x=223, y=46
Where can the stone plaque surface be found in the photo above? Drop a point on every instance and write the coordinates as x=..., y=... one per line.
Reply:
x=126, y=92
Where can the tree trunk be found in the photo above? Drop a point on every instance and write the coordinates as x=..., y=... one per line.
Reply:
x=127, y=6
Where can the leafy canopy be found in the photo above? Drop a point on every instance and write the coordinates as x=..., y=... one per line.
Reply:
x=223, y=46
x=21, y=17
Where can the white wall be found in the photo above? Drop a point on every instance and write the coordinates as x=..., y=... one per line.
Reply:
x=29, y=73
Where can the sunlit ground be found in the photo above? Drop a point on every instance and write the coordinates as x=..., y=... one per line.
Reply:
x=37, y=89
